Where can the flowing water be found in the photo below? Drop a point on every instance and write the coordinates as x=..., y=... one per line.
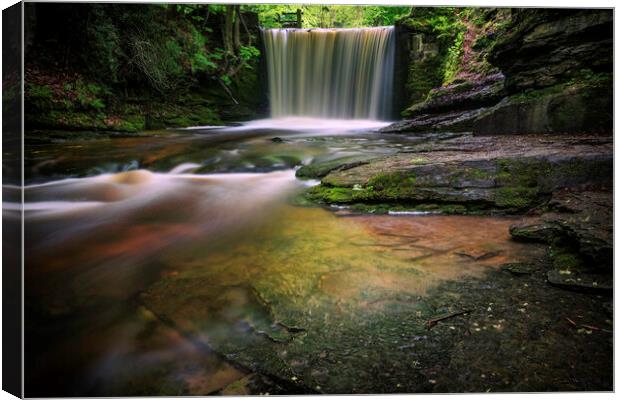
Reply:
x=331, y=73
x=131, y=242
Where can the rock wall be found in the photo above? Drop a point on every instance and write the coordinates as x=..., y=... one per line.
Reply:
x=546, y=47
x=420, y=55
x=573, y=109
x=449, y=81
x=522, y=71
x=558, y=67
x=418, y=62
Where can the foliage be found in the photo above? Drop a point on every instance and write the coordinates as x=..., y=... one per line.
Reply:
x=453, y=58
x=159, y=62
x=331, y=16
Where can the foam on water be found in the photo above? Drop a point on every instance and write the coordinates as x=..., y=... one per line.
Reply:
x=311, y=125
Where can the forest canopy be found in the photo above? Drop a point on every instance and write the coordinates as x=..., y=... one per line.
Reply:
x=331, y=16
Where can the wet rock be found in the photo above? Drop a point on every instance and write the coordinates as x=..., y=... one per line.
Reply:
x=454, y=121
x=571, y=109
x=467, y=95
x=581, y=221
x=322, y=168
x=580, y=281
x=517, y=175
x=534, y=232
x=558, y=66
x=452, y=108
x=522, y=268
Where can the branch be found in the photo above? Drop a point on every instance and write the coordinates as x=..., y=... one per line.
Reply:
x=433, y=321
x=227, y=90
x=245, y=27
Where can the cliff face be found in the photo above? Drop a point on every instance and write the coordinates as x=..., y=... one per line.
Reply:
x=464, y=84
x=542, y=48
x=557, y=66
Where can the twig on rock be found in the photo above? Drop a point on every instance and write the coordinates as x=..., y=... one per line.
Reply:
x=588, y=327
x=433, y=321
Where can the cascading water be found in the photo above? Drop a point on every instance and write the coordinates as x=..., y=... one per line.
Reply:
x=330, y=73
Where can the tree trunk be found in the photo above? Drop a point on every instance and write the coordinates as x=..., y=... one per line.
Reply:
x=237, y=31
x=228, y=29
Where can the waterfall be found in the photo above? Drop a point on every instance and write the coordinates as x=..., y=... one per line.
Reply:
x=330, y=73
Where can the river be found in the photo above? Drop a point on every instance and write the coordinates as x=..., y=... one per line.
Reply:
x=150, y=259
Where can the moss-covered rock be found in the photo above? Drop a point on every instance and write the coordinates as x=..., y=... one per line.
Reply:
x=558, y=66
x=518, y=176
x=321, y=168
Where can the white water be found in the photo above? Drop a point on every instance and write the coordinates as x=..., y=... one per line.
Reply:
x=330, y=73
x=311, y=125
x=205, y=205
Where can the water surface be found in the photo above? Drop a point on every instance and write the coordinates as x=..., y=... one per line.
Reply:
x=150, y=260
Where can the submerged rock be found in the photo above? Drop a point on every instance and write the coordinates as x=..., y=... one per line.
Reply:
x=534, y=232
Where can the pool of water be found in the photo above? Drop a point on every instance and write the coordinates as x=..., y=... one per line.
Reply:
x=176, y=263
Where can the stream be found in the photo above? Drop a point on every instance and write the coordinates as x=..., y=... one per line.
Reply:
x=178, y=263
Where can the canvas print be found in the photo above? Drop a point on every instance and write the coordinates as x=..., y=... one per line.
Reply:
x=279, y=199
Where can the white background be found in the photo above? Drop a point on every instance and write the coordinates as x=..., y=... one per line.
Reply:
x=482, y=3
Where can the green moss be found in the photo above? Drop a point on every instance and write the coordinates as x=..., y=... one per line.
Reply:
x=422, y=77
x=566, y=261
x=520, y=182
x=563, y=258
x=516, y=197
x=418, y=160
x=384, y=181
x=453, y=58
x=326, y=194
x=476, y=173
x=521, y=172
x=321, y=169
